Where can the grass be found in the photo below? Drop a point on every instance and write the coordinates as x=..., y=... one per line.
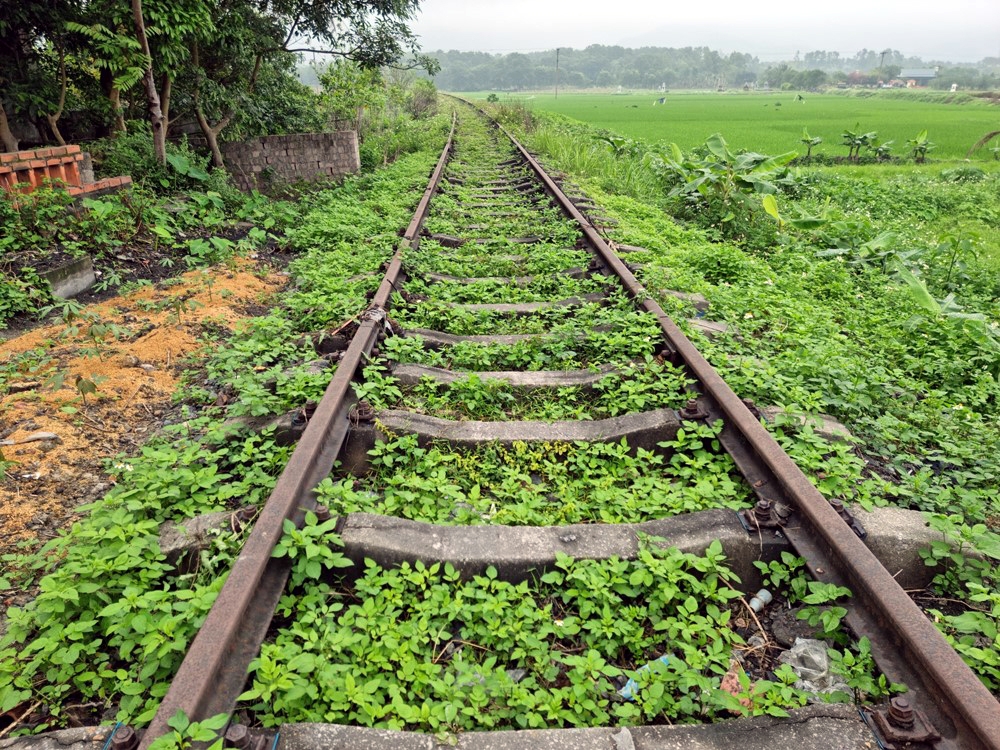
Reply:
x=772, y=122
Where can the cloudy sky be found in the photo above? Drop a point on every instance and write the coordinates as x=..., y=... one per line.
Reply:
x=957, y=30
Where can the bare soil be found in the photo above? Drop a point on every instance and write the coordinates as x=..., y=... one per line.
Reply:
x=60, y=443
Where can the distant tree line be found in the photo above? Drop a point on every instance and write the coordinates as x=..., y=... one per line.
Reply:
x=600, y=66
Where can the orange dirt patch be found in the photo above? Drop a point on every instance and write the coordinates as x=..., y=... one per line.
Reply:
x=131, y=349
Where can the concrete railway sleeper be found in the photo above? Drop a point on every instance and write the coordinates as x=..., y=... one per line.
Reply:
x=507, y=464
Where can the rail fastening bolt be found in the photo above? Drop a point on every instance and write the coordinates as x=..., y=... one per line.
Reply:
x=238, y=736
x=125, y=738
x=901, y=713
x=762, y=511
x=322, y=514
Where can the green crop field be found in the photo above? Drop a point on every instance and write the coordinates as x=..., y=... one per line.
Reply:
x=773, y=122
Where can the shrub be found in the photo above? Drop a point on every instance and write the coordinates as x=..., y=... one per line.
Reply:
x=132, y=154
x=963, y=174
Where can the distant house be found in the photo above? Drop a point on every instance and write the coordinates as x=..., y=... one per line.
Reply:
x=917, y=76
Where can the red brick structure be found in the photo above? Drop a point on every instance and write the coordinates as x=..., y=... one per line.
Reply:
x=25, y=171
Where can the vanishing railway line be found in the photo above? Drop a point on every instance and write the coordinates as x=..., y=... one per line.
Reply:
x=505, y=322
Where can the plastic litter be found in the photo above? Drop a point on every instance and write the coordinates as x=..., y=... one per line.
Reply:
x=809, y=660
x=628, y=692
x=760, y=600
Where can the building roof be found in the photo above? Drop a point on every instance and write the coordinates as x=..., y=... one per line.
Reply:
x=918, y=73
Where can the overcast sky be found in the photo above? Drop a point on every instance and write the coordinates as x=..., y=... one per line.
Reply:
x=957, y=30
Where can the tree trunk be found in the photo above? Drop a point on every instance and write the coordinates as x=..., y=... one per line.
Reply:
x=53, y=117
x=211, y=136
x=6, y=137
x=152, y=97
x=166, y=88
x=114, y=97
x=212, y=133
x=119, y=125
x=54, y=125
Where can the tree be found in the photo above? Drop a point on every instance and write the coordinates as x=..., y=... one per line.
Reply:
x=348, y=89
x=373, y=33
x=27, y=31
x=250, y=37
x=152, y=96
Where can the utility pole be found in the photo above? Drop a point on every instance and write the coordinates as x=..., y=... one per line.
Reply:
x=557, y=72
x=881, y=62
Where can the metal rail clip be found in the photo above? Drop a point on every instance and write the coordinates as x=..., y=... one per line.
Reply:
x=764, y=515
x=902, y=723
x=849, y=519
x=694, y=410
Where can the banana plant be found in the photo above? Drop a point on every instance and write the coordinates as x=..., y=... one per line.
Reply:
x=720, y=173
x=802, y=221
x=810, y=142
x=983, y=331
x=883, y=150
x=919, y=146
x=855, y=140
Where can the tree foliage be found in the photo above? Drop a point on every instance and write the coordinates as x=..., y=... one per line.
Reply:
x=223, y=65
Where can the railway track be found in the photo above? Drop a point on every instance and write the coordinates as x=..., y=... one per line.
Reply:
x=486, y=344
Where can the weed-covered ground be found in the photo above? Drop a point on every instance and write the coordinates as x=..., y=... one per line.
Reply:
x=415, y=647
x=109, y=618
x=418, y=648
x=869, y=296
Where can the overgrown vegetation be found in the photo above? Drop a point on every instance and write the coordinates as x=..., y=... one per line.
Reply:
x=545, y=484
x=860, y=293
x=847, y=295
x=415, y=647
x=113, y=617
x=88, y=68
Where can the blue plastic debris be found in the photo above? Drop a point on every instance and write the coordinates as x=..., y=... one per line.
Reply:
x=628, y=692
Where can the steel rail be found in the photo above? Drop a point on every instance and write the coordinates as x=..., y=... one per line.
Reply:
x=906, y=645
x=214, y=670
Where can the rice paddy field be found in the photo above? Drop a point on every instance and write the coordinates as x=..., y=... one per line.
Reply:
x=772, y=122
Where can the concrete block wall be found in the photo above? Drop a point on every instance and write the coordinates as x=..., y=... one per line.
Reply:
x=261, y=163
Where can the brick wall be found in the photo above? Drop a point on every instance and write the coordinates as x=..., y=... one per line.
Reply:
x=273, y=160
x=26, y=170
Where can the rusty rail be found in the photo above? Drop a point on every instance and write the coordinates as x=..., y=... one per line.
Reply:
x=906, y=646
x=214, y=669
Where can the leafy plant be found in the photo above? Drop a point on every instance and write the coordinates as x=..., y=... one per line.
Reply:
x=810, y=142
x=87, y=386
x=855, y=141
x=859, y=671
x=827, y=618
x=719, y=184
x=186, y=167
x=555, y=658
x=187, y=734
x=313, y=543
x=785, y=575
x=920, y=145
x=966, y=559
